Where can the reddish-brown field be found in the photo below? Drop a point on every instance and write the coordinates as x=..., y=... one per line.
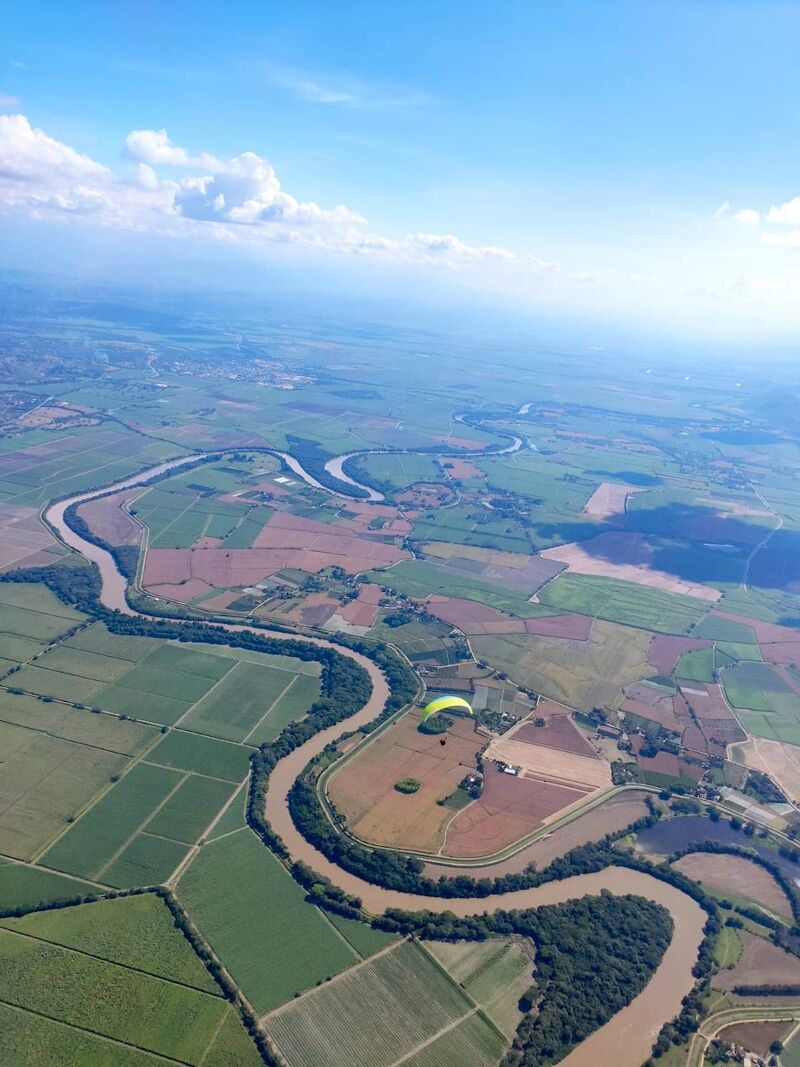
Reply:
x=707, y=702
x=286, y=541
x=736, y=875
x=363, y=789
x=462, y=468
x=558, y=733
x=664, y=651
x=510, y=808
x=477, y=619
x=761, y=963
x=614, y=814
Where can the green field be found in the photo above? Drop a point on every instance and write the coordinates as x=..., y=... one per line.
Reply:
x=96, y=638
x=74, y=724
x=364, y=939
x=757, y=687
x=44, y=781
x=397, y=471
x=472, y=1043
x=25, y=887
x=106, y=983
x=696, y=666
x=495, y=974
x=256, y=919
x=31, y=596
x=623, y=602
x=239, y=702
x=728, y=947
x=773, y=725
x=204, y=755
x=189, y=811
x=715, y=628
x=345, y=1023
x=419, y=578
x=92, y=843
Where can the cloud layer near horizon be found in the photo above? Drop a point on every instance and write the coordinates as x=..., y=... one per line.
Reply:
x=235, y=200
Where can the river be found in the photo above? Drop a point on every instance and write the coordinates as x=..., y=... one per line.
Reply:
x=626, y=1040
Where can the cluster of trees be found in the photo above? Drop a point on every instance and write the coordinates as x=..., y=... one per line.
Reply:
x=785, y=989
x=593, y=956
x=77, y=585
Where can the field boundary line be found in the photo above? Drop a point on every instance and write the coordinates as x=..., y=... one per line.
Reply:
x=207, y=693
x=225, y=1016
x=194, y=847
x=464, y=991
x=103, y=959
x=102, y=1037
x=67, y=740
x=63, y=874
x=269, y=710
x=338, y=977
x=435, y=1037
x=342, y=938
x=141, y=826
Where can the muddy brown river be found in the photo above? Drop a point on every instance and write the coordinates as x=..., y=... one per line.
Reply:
x=626, y=1040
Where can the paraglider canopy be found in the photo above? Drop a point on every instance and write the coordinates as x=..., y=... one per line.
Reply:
x=442, y=704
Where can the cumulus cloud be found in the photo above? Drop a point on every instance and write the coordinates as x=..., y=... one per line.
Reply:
x=787, y=214
x=749, y=216
x=154, y=148
x=238, y=200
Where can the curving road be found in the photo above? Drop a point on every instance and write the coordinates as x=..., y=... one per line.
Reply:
x=627, y=1039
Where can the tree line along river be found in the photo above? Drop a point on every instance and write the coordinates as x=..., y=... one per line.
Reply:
x=626, y=1040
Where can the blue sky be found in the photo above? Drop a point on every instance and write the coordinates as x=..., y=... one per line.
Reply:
x=581, y=154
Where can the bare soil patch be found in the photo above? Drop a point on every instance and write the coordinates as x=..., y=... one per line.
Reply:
x=587, y=772
x=761, y=963
x=107, y=518
x=363, y=789
x=510, y=808
x=736, y=875
x=558, y=733
x=626, y=556
x=462, y=468
x=780, y=761
x=608, y=499
x=757, y=1037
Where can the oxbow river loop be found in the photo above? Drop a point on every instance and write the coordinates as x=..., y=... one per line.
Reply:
x=626, y=1040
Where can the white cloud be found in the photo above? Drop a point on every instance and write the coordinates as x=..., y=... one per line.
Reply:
x=155, y=148
x=749, y=216
x=343, y=92
x=722, y=210
x=787, y=214
x=238, y=200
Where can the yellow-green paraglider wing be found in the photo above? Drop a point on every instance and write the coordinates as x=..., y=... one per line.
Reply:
x=442, y=704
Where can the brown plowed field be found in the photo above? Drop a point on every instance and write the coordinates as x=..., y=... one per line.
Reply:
x=510, y=808
x=664, y=651
x=559, y=733
x=472, y=617
x=462, y=468
x=662, y=713
x=709, y=706
x=761, y=963
x=615, y=814
x=736, y=875
x=569, y=627
x=757, y=1037
x=363, y=789
x=628, y=557
x=107, y=519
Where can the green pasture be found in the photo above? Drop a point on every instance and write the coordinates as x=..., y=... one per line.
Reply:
x=239, y=702
x=95, y=840
x=758, y=687
x=189, y=811
x=136, y=931
x=202, y=754
x=418, y=578
x=119, y=1003
x=96, y=638
x=256, y=918
x=292, y=704
x=696, y=666
x=26, y=887
x=715, y=628
x=396, y=471
x=145, y=860
x=39, y=625
x=623, y=602
x=44, y=781
x=319, y=1028
x=83, y=664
